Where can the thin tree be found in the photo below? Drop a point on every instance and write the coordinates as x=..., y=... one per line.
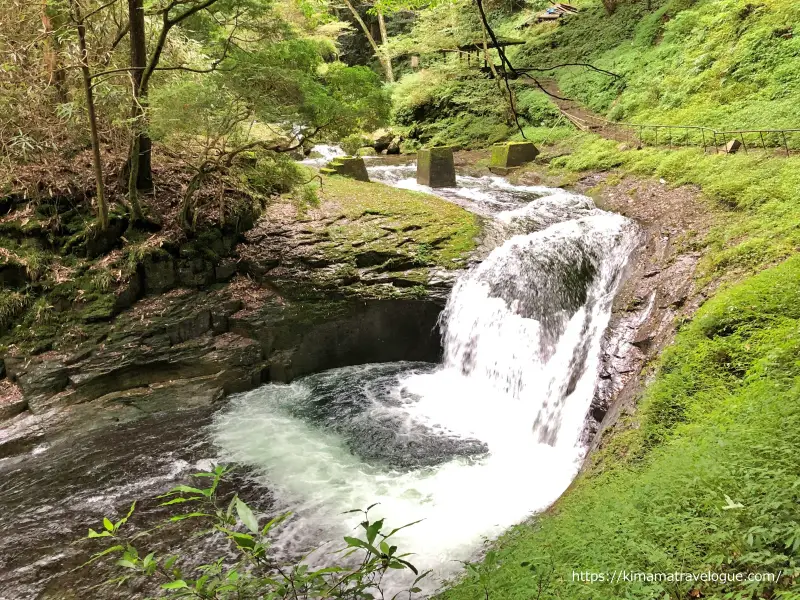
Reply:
x=383, y=57
x=142, y=70
x=80, y=25
x=384, y=41
x=141, y=146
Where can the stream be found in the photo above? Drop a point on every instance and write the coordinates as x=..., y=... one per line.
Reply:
x=469, y=447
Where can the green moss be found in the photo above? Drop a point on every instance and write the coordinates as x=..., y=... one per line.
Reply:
x=376, y=217
x=704, y=478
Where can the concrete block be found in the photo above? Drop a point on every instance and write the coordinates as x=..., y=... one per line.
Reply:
x=435, y=167
x=512, y=154
x=732, y=147
x=347, y=166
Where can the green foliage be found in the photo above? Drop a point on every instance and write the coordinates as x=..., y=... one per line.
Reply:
x=274, y=174
x=355, y=571
x=719, y=63
x=536, y=108
x=447, y=105
x=760, y=194
x=705, y=478
x=353, y=142
x=12, y=304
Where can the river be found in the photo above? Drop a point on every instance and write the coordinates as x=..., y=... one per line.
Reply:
x=470, y=446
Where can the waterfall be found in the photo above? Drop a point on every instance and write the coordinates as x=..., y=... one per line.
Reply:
x=528, y=320
x=477, y=443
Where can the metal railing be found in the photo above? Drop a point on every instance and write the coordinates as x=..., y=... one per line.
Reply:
x=781, y=141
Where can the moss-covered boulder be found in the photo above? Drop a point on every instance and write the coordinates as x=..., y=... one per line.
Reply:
x=435, y=167
x=347, y=166
x=510, y=155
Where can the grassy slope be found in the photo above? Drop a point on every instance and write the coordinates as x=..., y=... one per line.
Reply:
x=760, y=194
x=718, y=63
x=720, y=419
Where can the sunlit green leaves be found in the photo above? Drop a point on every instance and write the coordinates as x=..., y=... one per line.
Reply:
x=252, y=574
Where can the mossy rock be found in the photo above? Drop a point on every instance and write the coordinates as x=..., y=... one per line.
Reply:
x=435, y=167
x=367, y=151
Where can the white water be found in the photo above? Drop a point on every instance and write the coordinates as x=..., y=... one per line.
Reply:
x=323, y=154
x=473, y=445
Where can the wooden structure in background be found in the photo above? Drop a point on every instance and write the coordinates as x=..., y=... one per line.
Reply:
x=555, y=12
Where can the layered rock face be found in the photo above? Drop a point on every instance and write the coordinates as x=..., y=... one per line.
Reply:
x=287, y=301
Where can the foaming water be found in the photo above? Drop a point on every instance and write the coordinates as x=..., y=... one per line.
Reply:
x=322, y=154
x=483, y=195
x=472, y=445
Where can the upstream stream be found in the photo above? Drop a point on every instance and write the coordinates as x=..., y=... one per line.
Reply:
x=470, y=446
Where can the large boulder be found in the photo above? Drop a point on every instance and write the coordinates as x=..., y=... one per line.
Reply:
x=381, y=139
x=394, y=145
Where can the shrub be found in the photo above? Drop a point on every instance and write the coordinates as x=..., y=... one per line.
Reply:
x=249, y=571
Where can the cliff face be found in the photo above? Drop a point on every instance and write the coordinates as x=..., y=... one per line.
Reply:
x=361, y=278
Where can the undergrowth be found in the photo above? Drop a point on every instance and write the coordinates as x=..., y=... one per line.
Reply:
x=758, y=194
x=719, y=63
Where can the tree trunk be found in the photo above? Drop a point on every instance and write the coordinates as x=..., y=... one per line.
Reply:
x=187, y=216
x=383, y=58
x=102, y=207
x=141, y=167
x=384, y=40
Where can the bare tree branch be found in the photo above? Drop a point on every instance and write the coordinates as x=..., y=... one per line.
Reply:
x=100, y=8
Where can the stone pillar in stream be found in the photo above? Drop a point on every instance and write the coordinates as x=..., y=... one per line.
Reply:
x=435, y=167
x=508, y=156
x=347, y=166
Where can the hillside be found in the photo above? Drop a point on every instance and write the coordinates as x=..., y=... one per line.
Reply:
x=702, y=476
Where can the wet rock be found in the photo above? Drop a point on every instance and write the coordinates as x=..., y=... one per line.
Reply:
x=129, y=293
x=225, y=270
x=195, y=273
x=659, y=290
x=372, y=258
x=41, y=380
x=13, y=275
x=381, y=140
x=190, y=328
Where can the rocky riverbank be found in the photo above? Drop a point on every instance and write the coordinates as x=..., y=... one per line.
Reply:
x=360, y=278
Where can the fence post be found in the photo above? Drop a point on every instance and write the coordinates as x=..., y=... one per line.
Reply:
x=763, y=143
x=785, y=144
x=741, y=134
x=703, y=131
